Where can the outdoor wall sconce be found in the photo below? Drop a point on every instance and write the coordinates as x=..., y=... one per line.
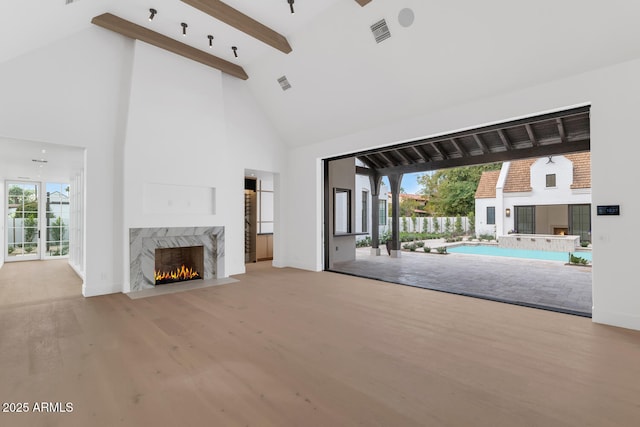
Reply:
x=507, y=212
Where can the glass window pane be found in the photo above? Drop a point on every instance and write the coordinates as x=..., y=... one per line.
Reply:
x=491, y=214
x=382, y=212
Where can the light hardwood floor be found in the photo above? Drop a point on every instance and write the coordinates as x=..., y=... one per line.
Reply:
x=284, y=347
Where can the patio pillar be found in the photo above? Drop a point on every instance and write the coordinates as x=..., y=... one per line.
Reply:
x=394, y=181
x=375, y=181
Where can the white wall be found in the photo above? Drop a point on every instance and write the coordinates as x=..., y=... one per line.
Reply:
x=613, y=94
x=176, y=147
x=253, y=144
x=481, y=216
x=131, y=105
x=70, y=93
x=189, y=126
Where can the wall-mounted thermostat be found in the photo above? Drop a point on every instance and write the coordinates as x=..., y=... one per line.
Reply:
x=609, y=210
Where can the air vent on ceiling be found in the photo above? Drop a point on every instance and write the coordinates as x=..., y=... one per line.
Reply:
x=380, y=31
x=284, y=83
x=39, y=161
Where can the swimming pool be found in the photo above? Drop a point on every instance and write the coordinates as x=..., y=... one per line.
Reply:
x=515, y=253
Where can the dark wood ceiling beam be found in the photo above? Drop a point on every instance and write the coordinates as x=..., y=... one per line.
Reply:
x=421, y=150
x=137, y=32
x=405, y=159
x=366, y=161
x=421, y=154
x=481, y=144
x=439, y=150
x=463, y=152
x=387, y=158
x=363, y=2
x=373, y=157
x=561, y=131
x=238, y=20
x=532, y=136
x=505, y=140
x=574, y=113
x=502, y=156
x=364, y=171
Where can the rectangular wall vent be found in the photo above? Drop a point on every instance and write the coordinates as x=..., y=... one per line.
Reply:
x=380, y=31
x=284, y=83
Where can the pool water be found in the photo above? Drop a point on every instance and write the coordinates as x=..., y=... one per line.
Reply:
x=516, y=253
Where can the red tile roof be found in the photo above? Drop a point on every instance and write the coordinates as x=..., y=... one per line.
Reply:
x=487, y=185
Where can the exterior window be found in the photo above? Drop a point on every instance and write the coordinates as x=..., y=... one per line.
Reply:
x=382, y=212
x=365, y=211
x=551, y=180
x=491, y=214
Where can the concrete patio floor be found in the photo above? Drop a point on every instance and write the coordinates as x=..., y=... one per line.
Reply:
x=543, y=284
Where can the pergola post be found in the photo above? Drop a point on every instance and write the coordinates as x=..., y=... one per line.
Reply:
x=394, y=181
x=375, y=181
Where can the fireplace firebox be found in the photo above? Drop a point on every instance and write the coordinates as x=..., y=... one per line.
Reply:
x=178, y=264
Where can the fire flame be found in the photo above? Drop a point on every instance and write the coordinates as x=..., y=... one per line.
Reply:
x=182, y=273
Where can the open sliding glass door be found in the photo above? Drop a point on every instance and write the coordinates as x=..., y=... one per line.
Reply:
x=22, y=221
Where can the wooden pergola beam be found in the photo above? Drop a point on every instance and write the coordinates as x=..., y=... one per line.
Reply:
x=481, y=143
x=404, y=157
x=459, y=147
x=532, y=136
x=561, y=131
x=504, y=139
x=238, y=20
x=137, y=32
x=440, y=152
x=503, y=156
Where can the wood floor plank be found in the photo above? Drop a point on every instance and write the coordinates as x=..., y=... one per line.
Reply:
x=285, y=347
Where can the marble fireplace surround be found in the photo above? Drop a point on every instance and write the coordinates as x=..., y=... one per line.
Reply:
x=144, y=241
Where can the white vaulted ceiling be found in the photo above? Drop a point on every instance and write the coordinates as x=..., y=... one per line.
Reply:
x=342, y=80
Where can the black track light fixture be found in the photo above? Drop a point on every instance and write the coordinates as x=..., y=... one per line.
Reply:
x=291, y=5
x=153, y=14
x=235, y=51
x=184, y=28
x=210, y=37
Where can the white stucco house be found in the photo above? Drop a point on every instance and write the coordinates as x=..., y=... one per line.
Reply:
x=548, y=195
